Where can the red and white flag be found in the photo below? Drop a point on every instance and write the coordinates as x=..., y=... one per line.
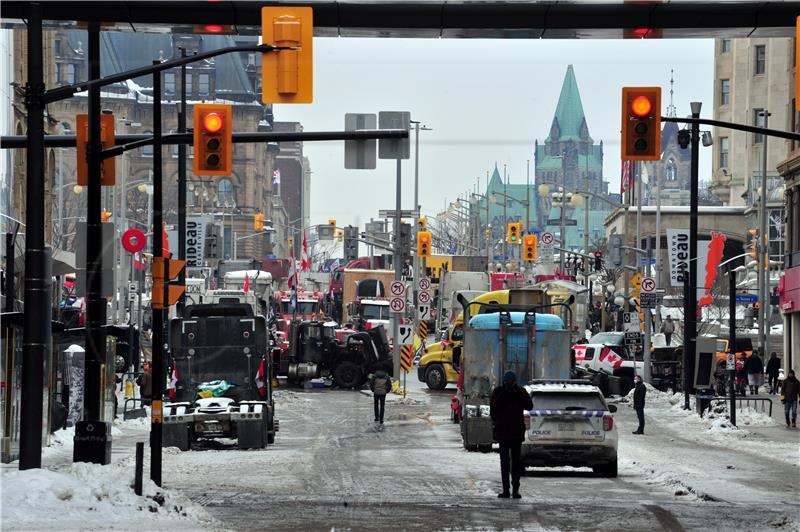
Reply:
x=246, y=286
x=173, y=381
x=305, y=261
x=260, y=382
x=138, y=261
x=627, y=175
x=292, y=281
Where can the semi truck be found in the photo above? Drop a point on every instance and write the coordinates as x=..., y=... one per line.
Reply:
x=361, y=284
x=525, y=337
x=220, y=378
x=471, y=284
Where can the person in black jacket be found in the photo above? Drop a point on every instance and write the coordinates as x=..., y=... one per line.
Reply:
x=508, y=403
x=773, y=370
x=755, y=372
x=639, y=391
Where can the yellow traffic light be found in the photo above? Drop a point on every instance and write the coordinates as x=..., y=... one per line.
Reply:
x=424, y=239
x=514, y=232
x=105, y=215
x=530, y=242
x=174, y=268
x=287, y=75
x=753, y=253
x=258, y=222
x=213, y=138
x=641, y=123
x=332, y=223
x=422, y=223
x=339, y=234
x=107, y=166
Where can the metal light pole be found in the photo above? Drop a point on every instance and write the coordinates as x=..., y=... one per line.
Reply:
x=690, y=303
x=763, y=247
x=563, y=235
x=398, y=273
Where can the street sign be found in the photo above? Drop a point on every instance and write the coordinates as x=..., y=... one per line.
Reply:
x=406, y=335
x=132, y=297
x=133, y=286
x=397, y=304
x=548, y=238
x=424, y=312
x=424, y=297
x=630, y=322
x=389, y=213
x=557, y=221
x=633, y=338
x=360, y=154
x=636, y=280
x=648, y=284
x=746, y=298
x=394, y=148
x=645, y=260
x=424, y=283
x=398, y=288
x=406, y=357
x=650, y=299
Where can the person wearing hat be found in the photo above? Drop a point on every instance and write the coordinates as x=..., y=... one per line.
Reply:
x=507, y=406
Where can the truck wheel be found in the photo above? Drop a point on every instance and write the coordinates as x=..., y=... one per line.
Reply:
x=435, y=377
x=347, y=375
x=608, y=470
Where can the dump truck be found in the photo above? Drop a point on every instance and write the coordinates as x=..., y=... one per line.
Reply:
x=525, y=338
x=220, y=378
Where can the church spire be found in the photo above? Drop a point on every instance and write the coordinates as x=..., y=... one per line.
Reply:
x=671, y=111
x=569, y=122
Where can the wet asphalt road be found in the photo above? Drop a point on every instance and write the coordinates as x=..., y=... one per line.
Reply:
x=332, y=467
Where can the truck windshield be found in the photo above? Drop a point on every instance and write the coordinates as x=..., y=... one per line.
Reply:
x=567, y=401
x=374, y=312
x=607, y=339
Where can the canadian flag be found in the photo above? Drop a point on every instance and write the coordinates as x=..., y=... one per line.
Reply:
x=260, y=383
x=138, y=261
x=173, y=381
x=627, y=175
x=305, y=261
x=246, y=286
x=292, y=281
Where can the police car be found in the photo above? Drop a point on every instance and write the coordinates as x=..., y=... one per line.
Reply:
x=570, y=425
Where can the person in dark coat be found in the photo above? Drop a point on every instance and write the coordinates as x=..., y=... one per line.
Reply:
x=755, y=372
x=773, y=370
x=507, y=407
x=790, y=393
x=639, y=391
x=381, y=384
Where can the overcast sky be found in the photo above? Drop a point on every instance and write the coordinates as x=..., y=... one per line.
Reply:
x=486, y=100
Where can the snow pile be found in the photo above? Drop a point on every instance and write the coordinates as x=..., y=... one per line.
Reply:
x=656, y=398
x=82, y=493
x=288, y=397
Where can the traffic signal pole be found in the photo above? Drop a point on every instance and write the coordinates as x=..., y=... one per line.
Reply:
x=182, y=183
x=690, y=301
x=398, y=273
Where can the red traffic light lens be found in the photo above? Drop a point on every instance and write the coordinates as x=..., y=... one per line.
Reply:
x=641, y=106
x=213, y=28
x=212, y=122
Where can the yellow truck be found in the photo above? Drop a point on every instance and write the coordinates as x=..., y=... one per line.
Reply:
x=440, y=362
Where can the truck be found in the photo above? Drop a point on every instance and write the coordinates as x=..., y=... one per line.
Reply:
x=523, y=337
x=316, y=350
x=220, y=379
x=356, y=281
x=471, y=284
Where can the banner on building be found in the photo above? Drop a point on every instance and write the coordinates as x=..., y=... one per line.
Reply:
x=196, y=227
x=678, y=249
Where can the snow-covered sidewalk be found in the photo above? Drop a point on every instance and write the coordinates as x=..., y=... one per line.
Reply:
x=78, y=496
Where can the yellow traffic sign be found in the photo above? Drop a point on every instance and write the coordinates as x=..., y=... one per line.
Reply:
x=636, y=283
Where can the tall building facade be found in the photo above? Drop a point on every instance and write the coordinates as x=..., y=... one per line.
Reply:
x=569, y=157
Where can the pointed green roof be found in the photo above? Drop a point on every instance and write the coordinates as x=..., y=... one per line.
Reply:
x=495, y=181
x=569, y=113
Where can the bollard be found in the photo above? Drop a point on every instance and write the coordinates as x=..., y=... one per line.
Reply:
x=137, y=482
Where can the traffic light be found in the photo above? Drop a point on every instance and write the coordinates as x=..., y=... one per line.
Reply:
x=424, y=243
x=615, y=249
x=107, y=166
x=258, y=222
x=514, y=232
x=105, y=216
x=287, y=75
x=339, y=234
x=641, y=123
x=174, y=268
x=753, y=253
x=422, y=224
x=598, y=261
x=350, y=243
x=530, y=242
x=213, y=136
x=332, y=223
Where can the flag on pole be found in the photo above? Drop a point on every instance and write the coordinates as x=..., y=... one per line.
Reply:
x=260, y=383
x=173, y=381
x=246, y=286
x=305, y=262
x=292, y=281
x=627, y=171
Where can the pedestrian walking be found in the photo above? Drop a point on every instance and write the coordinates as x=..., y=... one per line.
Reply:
x=380, y=385
x=790, y=392
x=773, y=370
x=754, y=368
x=145, y=382
x=639, y=391
x=668, y=328
x=507, y=407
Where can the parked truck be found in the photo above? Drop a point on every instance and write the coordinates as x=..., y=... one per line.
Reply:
x=471, y=284
x=220, y=378
x=525, y=338
x=374, y=284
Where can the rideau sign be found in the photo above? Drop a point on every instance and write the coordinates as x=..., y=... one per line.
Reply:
x=678, y=248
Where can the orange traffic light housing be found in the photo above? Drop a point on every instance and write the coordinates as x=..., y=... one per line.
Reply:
x=514, y=232
x=107, y=166
x=531, y=245
x=424, y=239
x=258, y=222
x=422, y=223
x=287, y=75
x=174, y=268
x=213, y=139
x=641, y=123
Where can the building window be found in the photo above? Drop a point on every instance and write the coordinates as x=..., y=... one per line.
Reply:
x=147, y=151
x=71, y=74
x=59, y=73
x=726, y=46
x=723, y=152
x=58, y=47
x=759, y=121
x=225, y=192
x=169, y=82
x=724, y=91
x=188, y=85
x=203, y=82
x=761, y=59
x=672, y=171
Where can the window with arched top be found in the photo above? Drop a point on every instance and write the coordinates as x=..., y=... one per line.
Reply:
x=225, y=191
x=672, y=171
